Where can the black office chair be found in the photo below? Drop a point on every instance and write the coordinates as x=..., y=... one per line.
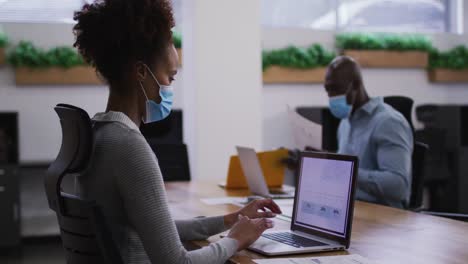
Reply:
x=168, y=130
x=84, y=233
x=173, y=160
x=417, y=184
x=417, y=187
x=402, y=104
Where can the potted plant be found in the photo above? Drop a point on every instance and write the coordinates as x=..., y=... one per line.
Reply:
x=449, y=66
x=3, y=44
x=386, y=50
x=296, y=64
x=60, y=65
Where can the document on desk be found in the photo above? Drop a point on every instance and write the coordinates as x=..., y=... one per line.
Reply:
x=305, y=132
x=224, y=200
x=286, y=206
x=342, y=259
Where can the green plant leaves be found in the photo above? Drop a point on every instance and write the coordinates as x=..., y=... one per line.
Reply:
x=3, y=40
x=359, y=41
x=456, y=58
x=65, y=57
x=177, y=39
x=315, y=56
x=295, y=57
x=27, y=55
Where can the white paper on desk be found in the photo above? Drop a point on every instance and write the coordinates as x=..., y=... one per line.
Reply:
x=343, y=259
x=286, y=206
x=224, y=200
x=284, y=202
x=305, y=132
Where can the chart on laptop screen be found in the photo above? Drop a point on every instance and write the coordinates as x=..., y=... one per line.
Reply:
x=323, y=194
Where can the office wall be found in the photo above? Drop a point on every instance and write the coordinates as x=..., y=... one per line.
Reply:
x=40, y=133
x=464, y=5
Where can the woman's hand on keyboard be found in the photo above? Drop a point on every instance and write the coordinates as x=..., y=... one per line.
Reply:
x=261, y=208
x=246, y=230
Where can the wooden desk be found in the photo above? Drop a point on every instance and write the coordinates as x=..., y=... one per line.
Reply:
x=379, y=233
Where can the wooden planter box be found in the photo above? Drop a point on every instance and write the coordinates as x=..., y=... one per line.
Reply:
x=2, y=56
x=57, y=76
x=448, y=75
x=179, y=52
x=389, y=59
x=276, y=74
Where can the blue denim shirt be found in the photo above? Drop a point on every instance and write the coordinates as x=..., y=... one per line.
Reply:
x=382, y=139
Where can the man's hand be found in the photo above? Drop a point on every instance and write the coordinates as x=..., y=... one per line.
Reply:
x=309, y=148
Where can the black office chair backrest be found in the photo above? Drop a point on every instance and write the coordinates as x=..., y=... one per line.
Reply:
x=166, y=131
x=84, y=233
x=173, y=160
x=323, y=116
x=402, y=104
x=417, y=185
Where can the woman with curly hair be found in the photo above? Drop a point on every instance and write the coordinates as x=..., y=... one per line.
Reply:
x=129, y=42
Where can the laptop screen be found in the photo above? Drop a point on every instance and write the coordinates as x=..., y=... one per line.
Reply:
x=324, y=195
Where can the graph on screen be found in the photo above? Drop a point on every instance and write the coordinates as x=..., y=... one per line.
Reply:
x=324, y=193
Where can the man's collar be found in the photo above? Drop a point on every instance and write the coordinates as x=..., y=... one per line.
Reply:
x=370, y=106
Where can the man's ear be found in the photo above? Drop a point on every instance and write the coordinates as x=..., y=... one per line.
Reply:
x=355, y=85
x=353, y=92
x=141, y=71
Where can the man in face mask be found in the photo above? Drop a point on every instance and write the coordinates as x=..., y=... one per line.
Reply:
x=375, y=132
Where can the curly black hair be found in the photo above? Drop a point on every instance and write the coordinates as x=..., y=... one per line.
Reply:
x=111, y=35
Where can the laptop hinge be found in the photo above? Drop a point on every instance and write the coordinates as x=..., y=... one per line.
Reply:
x=315, y=237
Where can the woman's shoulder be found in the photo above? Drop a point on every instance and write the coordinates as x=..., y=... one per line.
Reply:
x=121, y=140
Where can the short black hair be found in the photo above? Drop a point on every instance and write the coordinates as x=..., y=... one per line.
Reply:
x=111, y=35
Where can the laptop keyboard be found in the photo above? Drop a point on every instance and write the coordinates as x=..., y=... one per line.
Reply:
x=293, y=240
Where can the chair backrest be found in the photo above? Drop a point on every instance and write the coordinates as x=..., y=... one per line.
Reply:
x=402, y=104
x=323, y=116
x=166, y=131
x=173, y=161
x=84, y=233
x=417, y=185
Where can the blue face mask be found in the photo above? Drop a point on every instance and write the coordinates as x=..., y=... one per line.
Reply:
x=339, y=107
x=154, y=111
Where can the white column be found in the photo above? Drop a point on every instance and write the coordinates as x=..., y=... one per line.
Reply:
x=222, y=81
x=464, y=15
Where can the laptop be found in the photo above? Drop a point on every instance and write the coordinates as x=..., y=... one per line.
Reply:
x=323, y=208
x=254, y=176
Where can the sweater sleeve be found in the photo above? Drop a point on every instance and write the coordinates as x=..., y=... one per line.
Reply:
x=141, y=187
x=200, y=228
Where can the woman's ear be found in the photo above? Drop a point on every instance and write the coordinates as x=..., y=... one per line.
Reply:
x=141, y=71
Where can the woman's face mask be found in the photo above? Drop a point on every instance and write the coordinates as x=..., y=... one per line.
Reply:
x=156, y=112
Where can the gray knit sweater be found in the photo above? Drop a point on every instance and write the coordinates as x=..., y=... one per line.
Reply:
x=125, y=179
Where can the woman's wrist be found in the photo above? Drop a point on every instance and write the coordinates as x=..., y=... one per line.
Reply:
x=230, y=219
